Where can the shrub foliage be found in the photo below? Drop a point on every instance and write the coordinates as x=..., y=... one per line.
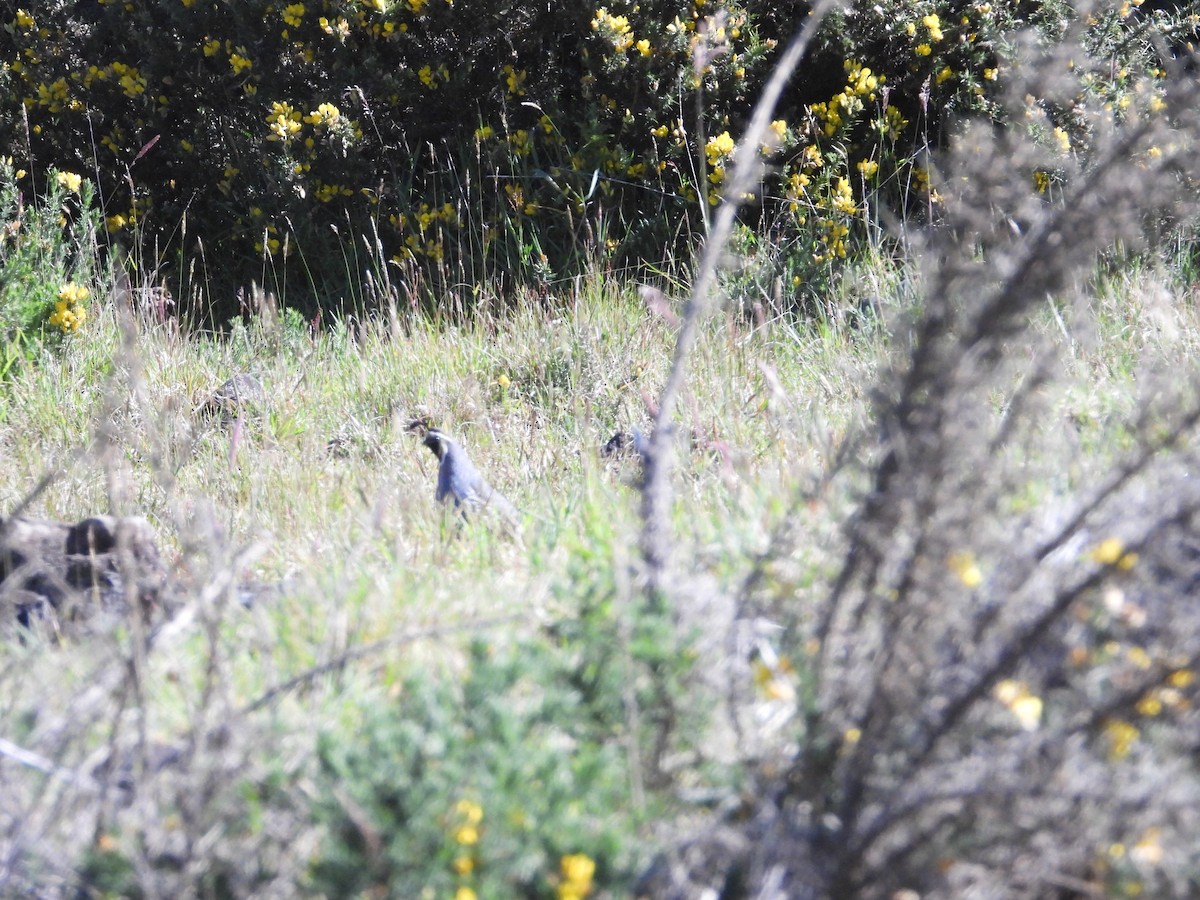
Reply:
x=360, y=144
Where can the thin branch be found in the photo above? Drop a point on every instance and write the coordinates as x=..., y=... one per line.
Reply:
x=747, y=166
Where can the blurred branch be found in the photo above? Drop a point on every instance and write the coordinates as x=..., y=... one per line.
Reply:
x=656, y=538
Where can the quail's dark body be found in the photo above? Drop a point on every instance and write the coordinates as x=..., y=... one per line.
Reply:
x=459, y=480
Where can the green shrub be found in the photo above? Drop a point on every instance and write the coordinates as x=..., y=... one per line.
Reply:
x=495, y=784
x=47, y=254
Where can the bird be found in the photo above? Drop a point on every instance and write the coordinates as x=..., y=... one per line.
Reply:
x=458, y=479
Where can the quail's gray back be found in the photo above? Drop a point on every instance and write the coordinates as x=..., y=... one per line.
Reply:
x=458, y=479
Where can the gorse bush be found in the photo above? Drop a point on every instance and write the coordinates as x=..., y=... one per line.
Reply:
x=994, y=694
x=48, y=248
x=348, y=146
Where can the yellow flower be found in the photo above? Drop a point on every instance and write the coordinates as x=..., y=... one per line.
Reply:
x=69, y=314
x=1121, y=738
x=963, y=565
x=1111, y=552
x=485, y=132
x=578, y=870
x=470, y=811
x=24, y=19
x=70, y=181
x=720, y=146
x=923, y=50
x=284, y=122
x=615, y=28
x=868, y=167
x=464, y=893
x=643, y=47
x=326, y=114
x=843, y=197
x=425, y=73
x=514, y=80
x=935, y=27
x=1150, y=705
x=1062, y=139
x=464, y=865
x=1181, y=678
x=293, y=14
x=239, y=63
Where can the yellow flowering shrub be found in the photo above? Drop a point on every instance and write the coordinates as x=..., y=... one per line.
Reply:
x=287, y=128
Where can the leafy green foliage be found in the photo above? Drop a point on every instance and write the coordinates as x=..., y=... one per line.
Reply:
x=47, y=254
x=487, y=784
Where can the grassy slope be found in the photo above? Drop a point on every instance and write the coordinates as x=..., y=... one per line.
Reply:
x=356, y=533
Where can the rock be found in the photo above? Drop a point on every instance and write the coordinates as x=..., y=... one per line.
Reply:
x=241, y=395
x=55, y=572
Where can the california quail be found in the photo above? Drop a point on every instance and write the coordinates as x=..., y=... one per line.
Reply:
x=458, y=478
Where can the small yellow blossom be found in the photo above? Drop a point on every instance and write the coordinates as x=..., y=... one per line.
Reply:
x=1181, y=678
x=326, y=115
x=24, y=20
x=239, y=63
x=615, y=28
x=578, y=870
x=464, y=865
x=464, y=893
x=719, y=147
x=867, y=167
x=293, y=14
x=70, y=181
x=284, y=122
x=1150, y=705
x=963, y=565
x=514, y=80
x=470, y=811
x=643, y=47
x=1121, y=738
x=923, y=50
x=1111, y=552
x=69, y=314
x=843, y=197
